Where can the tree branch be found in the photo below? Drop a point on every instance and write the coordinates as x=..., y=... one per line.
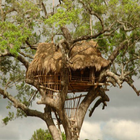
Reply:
x=93, y=13
x=124, y=26
x=112, y=81
x=31, y=46
x=4, y=13
x=44, y=8
x=50, y=123
x=45, y=99
x=86, y=37
x=18, y=104
x=104, y=98
x=22, y=60
x=66, y=33
x=19, y=57
x=91, y=95
x=26, y=55
x=133, y=87
x=105, y=2
x=1, y=11
x=51, y=102
x=103, y=30
x=115, y=77
x=99, y=18
x=115, y=53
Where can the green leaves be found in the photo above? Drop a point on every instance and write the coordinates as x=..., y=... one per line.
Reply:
x=12, y=36
x=113, y=2
x=9, y=118
x=99, y=8
x=41, y=134
x=63, y=17
x=20, y=18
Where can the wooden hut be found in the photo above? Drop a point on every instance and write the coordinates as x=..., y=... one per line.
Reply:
x=85, y=63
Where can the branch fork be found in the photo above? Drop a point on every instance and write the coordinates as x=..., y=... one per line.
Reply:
x=114, y=77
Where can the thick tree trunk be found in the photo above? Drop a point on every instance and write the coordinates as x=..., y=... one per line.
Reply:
x=50, y=124
x=92, y=94
x=54, y=131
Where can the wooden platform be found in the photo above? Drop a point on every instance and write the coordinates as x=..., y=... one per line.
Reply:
x=53, y=83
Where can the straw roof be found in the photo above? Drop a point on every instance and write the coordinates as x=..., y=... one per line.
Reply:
x=86, y=54
x=48, y=60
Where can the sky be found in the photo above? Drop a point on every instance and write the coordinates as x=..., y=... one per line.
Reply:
x=119, y=121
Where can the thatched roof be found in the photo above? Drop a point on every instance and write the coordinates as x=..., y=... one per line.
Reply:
x=47, y=59
x=85, y=54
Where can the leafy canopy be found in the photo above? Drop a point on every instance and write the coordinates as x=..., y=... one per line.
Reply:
x=24, y=23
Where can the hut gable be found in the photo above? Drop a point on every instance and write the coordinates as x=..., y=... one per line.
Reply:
x=85, y=54
x=46, y=60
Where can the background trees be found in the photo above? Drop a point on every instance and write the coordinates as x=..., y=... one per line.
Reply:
x=113, y=24
x=41, y=134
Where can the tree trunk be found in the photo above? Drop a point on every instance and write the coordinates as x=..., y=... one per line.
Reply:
x=82, y=110
x=73, y=127
x=50, y=124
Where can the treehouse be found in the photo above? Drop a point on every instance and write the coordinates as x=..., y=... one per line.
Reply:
x=84, y=66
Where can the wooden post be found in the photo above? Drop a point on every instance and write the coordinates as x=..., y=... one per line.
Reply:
x=91, y=25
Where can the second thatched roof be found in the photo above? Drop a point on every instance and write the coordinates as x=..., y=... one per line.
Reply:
x=49, y=60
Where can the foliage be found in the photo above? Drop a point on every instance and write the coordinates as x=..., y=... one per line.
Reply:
x=41, y=134
x=12, y=36
x=7, y=119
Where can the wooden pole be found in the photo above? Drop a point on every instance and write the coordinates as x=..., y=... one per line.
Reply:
x=52, y=25
x=91, y=25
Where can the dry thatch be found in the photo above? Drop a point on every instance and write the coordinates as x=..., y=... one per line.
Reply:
x=85, y=54
x=48, y=60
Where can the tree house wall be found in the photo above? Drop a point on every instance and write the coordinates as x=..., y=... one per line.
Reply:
x=79, y=80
